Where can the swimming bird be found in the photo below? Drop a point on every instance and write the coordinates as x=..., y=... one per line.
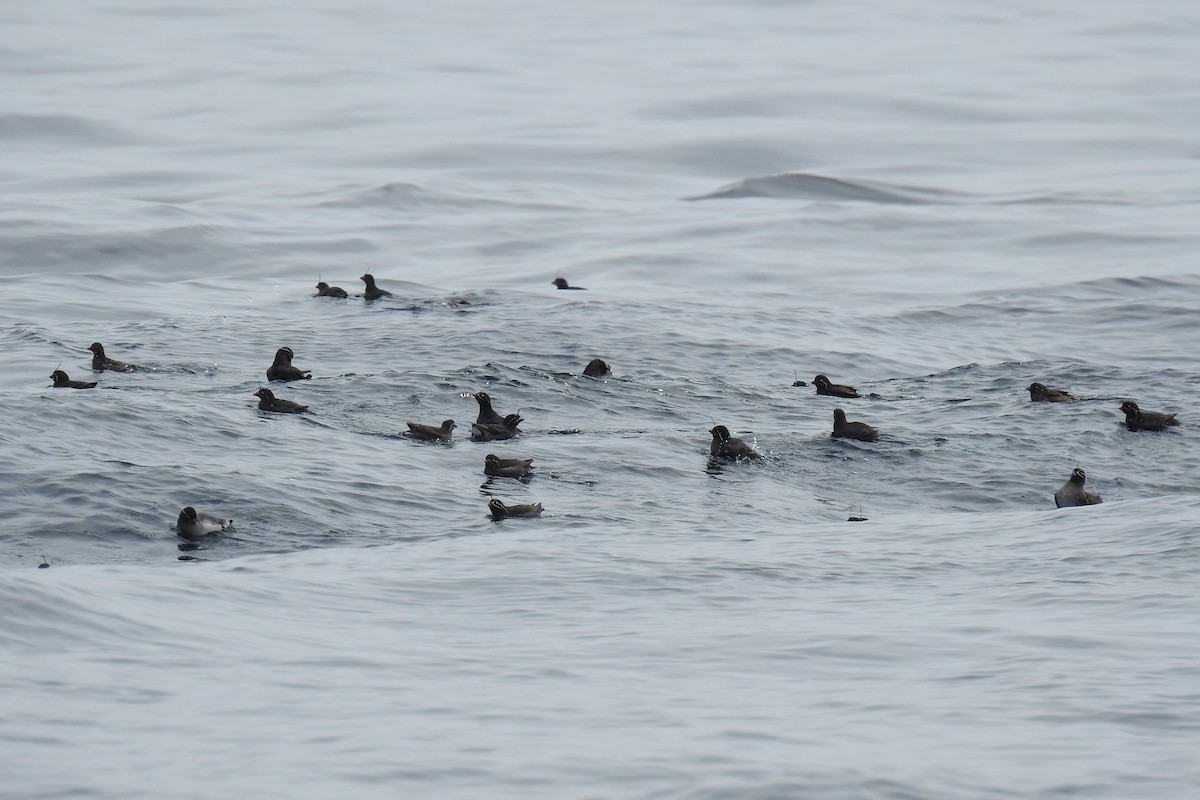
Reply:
x=1038, y=393
x=430, y=433
x=506, y=467
x=561, y=283
x=63, y=381
x=1071, y=493
x=1138, y=420
x=373, y=292
x=597, y=369
x=833, y=389
x=852, y=430
x=267, y=401
x=282, y=369
x=102, y=362
x=325, y=290
x=487, y=414
x=485, y=432
x=730, y=447
x=501, y=511
x=193, y=524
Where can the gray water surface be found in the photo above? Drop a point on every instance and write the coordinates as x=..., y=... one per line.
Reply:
x=938, y=206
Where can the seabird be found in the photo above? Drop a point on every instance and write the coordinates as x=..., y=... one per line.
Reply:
x=430, y=433
x=373, y=292
x=282, y=369
x=1072, y=493
x=852, y=430
x=833, y=389
x=193, y=524
x=267, y=401
x=1038, y=393
x=506, y=467
x=102, y=362
x=63, y=381
x=730, y=447
x=501, y=511
x=1138, y=420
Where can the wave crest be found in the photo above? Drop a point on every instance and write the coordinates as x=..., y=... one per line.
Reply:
x=804, y=186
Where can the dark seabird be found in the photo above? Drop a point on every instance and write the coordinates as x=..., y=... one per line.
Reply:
x=325, y=290
x=597, y=369
x=1038, y=393
x=103, y=362
x=513, y=462
x=1071, y=493
x=267, y=401
x=282, y=369
x=501, y=511
x=487, y=414
x=506, y=467
x=484, y=432
x=193, y=524
x=562, y=284
x=373, y=292
x=1138, y=420
x=63, y=381
x=852, y=430
x=730, y=447
x=430, y=433
x=833, y=389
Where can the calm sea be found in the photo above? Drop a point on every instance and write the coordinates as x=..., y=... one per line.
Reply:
x=938, y=204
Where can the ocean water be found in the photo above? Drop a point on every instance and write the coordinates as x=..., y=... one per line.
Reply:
x=938, y=205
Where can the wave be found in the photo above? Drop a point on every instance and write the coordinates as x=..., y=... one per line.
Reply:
x=805, y=186
x=60, y=128
x=396, y=194
x=403, y=195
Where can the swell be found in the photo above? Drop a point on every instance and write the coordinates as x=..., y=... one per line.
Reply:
x=66, y=129
x=823, y=188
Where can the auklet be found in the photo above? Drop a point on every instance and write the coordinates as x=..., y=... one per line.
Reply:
x=730, y=447
x=512, y=462
x=597, y=369
x=501, y=511
x=852, y=430
x=430, y=433
x=325, y=290
x=193, y=524
x=487, y=414
x=1038, y=393
x=102, y=362
x=1138, y=420
x=833, y=389
x=282, y=369
x=484, y=432
x=267, y=401
x=506, y=467
x=1071, y=493
x=63, y=381
x=561, y=283
x=373, y=292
